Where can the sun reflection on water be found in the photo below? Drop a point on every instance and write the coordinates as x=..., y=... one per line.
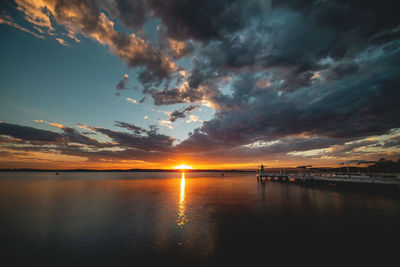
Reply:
x=181, y=206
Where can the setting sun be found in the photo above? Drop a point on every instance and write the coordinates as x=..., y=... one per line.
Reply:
x=183, y=167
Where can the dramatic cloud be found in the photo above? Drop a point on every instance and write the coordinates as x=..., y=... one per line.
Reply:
x=203, y=20
x=177, y=114
x=295, y=71
x=141, y=143
x=29, y=133
x=38, y=136
x=71, y=135
x=148, y=145
x=151, y=141
x=85, y=17
x=131, y=13
x=175, y=48
x=286, y=79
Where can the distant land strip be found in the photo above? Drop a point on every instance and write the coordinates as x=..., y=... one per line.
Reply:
x=120, y=170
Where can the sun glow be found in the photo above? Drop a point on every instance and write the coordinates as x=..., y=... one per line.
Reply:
x=183, y=167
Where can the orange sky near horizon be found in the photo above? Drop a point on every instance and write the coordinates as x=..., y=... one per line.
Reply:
x=57, y=161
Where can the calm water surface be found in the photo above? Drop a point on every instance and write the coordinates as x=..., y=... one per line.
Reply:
x=195, y=219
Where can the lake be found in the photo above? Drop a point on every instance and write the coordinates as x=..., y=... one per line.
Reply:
x=191, y=219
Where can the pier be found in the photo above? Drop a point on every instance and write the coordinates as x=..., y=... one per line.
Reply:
x=332, y=180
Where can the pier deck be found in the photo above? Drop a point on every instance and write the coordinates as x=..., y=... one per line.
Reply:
x=331, y=180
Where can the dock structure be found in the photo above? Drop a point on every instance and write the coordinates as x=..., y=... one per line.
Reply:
x=332, y=180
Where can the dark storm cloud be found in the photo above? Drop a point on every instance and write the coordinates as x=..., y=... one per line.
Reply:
x=147, y=144
x=27, y=133
x=329, y=75
x=364, y=21
x=72, y=135
x=293, y=39
x=296, y=75
x=152, y=141
x=179, y=114
x=166, y=97
x=203, y=20
x=357, y=106
x=33, y=135
x=340, y=71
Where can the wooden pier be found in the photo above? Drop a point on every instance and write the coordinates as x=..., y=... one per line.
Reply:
x=332, y=180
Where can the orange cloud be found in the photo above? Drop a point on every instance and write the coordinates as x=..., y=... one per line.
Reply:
x=131, y=100
x=86, y=18
x=7, y=20
x=37, y=12
x=51, y=124
x=263, y=83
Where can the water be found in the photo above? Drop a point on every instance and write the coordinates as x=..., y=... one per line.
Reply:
x=199, y=219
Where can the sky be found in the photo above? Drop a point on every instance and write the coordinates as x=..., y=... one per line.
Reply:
x=212, y=84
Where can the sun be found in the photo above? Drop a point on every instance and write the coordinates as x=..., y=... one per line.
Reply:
x=183, y=167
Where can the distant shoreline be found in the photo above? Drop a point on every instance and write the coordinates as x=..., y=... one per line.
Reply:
x=120, y=170
x=352, y=170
